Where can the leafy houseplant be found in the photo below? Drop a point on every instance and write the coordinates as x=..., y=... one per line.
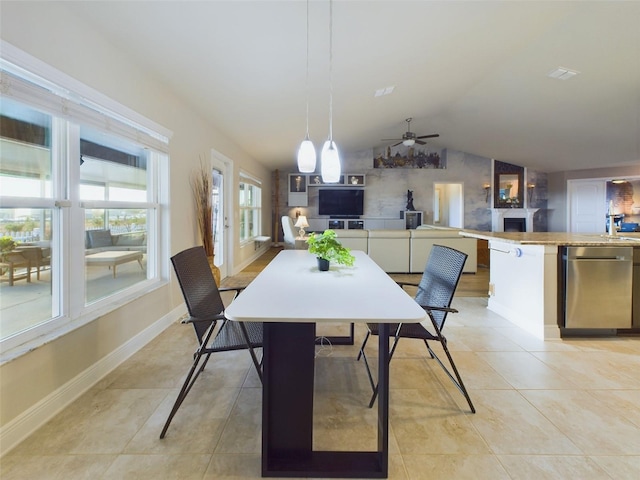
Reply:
x=7, y=244
x=327, y=248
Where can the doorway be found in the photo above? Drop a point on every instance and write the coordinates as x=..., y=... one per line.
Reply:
x=448, y=205
x=587, y=206
x=221, y=204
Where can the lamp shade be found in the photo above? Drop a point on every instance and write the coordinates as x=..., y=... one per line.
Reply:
x=409, y=142
x=302, y=222
x=306, y=157
x=330, y=163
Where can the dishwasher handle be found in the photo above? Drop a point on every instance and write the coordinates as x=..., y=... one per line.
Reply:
x=614, y=258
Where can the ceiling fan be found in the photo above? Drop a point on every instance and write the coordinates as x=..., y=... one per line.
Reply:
x=409, y=138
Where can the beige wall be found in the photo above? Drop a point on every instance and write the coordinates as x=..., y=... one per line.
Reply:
x=51, y=33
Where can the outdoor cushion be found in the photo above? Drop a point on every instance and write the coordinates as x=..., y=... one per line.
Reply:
x=99, y=238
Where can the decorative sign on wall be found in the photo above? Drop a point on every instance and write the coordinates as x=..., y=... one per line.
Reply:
x=411, y=158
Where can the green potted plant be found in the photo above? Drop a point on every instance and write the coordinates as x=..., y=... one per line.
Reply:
x=326, y=248
x=7, y=244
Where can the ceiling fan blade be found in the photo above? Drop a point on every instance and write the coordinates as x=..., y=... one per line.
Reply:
x=390, y=139
x=429, y=136
x=395, y=145
x=420, y=142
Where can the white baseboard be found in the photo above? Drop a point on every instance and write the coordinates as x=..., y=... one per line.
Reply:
x=29, y=421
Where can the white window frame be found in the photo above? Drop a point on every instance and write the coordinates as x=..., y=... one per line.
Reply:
x=255, y=208
x=73, y=104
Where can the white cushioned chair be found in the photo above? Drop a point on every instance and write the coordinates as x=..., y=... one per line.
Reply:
x=289, y=231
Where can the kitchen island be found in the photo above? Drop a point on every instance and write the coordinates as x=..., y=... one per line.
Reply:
x=526, y=283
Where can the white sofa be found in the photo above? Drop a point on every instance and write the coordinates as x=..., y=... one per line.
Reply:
x=354, y=239
x=390, y=249
x=402, y=251
x=426, y=236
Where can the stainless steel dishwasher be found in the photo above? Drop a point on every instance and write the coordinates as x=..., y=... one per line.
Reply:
x=598, y=287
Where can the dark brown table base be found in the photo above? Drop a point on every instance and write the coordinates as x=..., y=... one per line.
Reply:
x=287, y=410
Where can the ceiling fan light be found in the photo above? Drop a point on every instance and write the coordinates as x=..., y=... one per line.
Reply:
x=409, y=142
x=306, y=156
x=330, y=163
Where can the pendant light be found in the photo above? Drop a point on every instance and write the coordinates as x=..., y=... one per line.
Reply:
x=307, y=152
x=330, y=158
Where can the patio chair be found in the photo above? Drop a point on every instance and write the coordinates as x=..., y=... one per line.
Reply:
x=206, y=312
x=435, y=292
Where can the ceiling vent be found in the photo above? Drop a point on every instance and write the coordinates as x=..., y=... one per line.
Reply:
x=562, y=73
x=383, y=91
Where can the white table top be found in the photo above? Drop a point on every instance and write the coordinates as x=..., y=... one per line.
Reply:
x=292, y=289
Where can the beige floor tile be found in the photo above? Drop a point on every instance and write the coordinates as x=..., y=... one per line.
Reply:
x=345, y=422
x=590, y=424
x=458, y=467
x=620, y=467
x=154, y=467
x=196, y=427
x=429, y=422
x=624, y=402
x=243, y=431
x=99, y=422
x=595, y=370
x=479, y=340
x=54, y=467
x=511, y=365
x=234, y=467
x=476, y=373
x=511, y=425
x=534, y=344
x=550, y=467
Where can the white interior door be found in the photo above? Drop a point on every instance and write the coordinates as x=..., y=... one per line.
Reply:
x=587, y=206
x=222, y=217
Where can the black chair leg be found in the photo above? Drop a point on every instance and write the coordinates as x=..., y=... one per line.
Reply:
x=361, y=352
x=184, y=391
x=457, y=381
x=192, y=376
x=256, y=363
x=375, y=388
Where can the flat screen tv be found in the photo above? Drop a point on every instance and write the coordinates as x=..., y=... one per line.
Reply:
x=341, y=202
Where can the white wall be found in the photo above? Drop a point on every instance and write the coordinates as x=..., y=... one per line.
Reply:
x=52, y=33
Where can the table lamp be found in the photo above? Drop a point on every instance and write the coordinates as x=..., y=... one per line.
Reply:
x=301, y=223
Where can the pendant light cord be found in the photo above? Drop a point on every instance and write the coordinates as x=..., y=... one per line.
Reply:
x=330, y=73
x=307, y=79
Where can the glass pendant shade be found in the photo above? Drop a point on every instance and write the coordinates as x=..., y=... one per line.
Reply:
x=330, y=163
x=306, y=156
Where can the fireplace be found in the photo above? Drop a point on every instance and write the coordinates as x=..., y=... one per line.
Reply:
x=500, y=215
x=515, y=224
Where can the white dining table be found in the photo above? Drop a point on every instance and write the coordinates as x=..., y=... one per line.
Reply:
x=291, y=296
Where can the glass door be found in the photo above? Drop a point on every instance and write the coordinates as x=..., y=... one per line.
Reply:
x=221, y=216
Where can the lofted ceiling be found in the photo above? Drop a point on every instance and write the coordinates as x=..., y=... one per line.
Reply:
x=474, y=72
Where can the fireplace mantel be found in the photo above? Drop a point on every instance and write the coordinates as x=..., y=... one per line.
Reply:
x=499, y=214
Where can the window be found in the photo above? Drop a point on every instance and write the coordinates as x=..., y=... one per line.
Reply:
x=80, y=206
x=250, y=208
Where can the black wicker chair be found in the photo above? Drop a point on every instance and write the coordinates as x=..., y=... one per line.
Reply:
x=206, y=310
x=435, y=292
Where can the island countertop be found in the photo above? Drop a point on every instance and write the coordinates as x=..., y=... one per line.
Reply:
x=623, y=239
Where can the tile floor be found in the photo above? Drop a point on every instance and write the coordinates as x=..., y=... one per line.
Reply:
x=545, y=410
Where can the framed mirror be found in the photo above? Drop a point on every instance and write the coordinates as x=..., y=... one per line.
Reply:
x=509, y=185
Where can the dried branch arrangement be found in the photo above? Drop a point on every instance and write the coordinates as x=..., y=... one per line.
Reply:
x=202, y=188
